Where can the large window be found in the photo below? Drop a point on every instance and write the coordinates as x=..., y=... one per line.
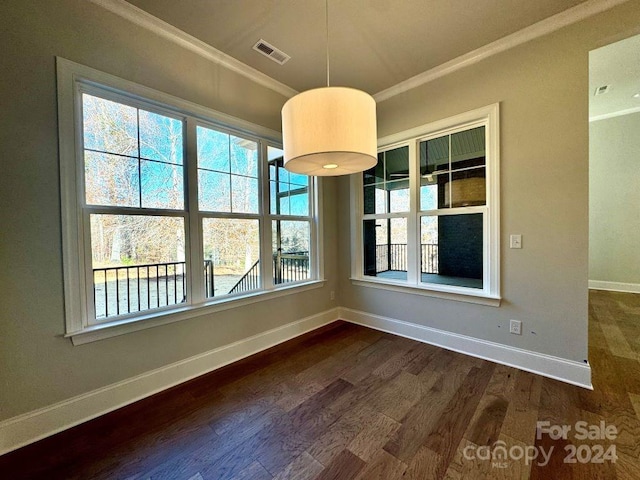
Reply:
x=429, y=209
x=169, y=210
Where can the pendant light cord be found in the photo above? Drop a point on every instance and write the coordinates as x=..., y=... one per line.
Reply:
x=327, y=25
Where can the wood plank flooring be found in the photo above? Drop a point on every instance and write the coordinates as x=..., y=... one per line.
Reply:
x=347, y=402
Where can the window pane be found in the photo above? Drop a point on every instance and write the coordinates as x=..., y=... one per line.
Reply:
x=138, y=263
x=467, y=188
x=376, y=173
x=111, y=180
x=385, y=248
x=468, y=148
x=396, y=163
x=162, y=185
x=290, y=251
x=244, y=196
x=244, y=157
x=109, y=126
x=289, y=192
x=221, y=191
x=369, y=199
x=398, y=196
x=284, y=205
x=375, y=199
x=283, y=173
x=429, y=245
x=299, y=201
x=432, y=194
x=160, y=138
x=214, y=191
x=213, y=150
x=434, y=155
x=280, y=198
x=127, y=181
x=298, y=180
x=451, y=250
x=386, y=186
x=273, y=205
x=274, y=153
x=232, y=255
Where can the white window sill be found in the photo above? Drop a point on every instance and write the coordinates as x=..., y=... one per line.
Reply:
x=153, y=319
x=449, y=293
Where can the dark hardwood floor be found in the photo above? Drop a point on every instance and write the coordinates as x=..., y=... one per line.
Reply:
x=347, y=402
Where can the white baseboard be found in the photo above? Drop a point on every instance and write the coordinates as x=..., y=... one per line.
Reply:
x=30, y=427
x=614, y=286
x=569, y=371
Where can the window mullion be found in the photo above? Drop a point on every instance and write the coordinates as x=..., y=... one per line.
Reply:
x=316, y=244
x=266, y=269
x=413, y=230
x=89, y=298
x=195, y=255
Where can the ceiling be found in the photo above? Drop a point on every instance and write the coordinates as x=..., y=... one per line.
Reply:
x=374, y=44
x=616, y=65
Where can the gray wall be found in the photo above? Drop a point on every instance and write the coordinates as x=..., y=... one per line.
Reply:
x=614, y=199
x=37, y=366
x=542, y=87
x=543, y=90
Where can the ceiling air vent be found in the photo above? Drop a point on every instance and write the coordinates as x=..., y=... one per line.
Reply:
x=602, y=90
x=270, y=51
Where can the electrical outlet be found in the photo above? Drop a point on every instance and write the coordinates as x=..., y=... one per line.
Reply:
x=515, y=327
x=332, y=295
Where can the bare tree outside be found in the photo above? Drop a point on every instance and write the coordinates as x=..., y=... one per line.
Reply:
x=134, y=158
x=134, y=174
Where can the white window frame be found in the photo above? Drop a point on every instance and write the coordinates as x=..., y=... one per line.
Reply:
x=490, y=293
x=72, y=80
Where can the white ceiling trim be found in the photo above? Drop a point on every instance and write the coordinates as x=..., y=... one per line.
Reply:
x=146, y=20
x=619, y=113
x=544, y=27
x=164, y=29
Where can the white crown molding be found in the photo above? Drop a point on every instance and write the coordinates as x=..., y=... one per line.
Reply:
x=565, y=370
x=544, y=27
x=619, y=113
x=162, y=28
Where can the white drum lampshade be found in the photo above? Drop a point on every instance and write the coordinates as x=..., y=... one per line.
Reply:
x=329, y=131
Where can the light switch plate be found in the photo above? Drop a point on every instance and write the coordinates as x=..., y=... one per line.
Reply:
x=515, y=241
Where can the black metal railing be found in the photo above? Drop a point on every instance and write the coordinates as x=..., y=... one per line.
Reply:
x=393, y=257
x=136, y=288
x=290, y=267
x=128, y=289
x=249, y=281
x=429, y=258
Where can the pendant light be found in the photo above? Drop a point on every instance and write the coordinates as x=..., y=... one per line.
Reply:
x=329, y=131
